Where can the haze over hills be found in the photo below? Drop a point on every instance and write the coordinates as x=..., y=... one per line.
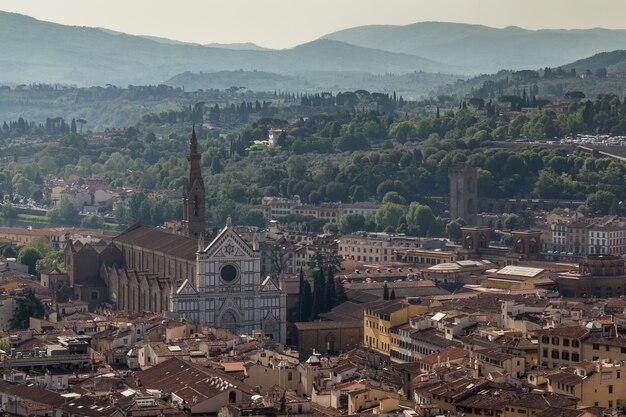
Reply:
x=36, y=51
x=411, y=85
x=482, y=49
x=414, y=59
x=597, y=74
x=613, y=62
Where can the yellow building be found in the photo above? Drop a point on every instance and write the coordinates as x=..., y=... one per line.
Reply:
x=599, y=383
x=486, y=361
x=561, y=346
x=577, y=237
x=379, y=317
x=597, y=347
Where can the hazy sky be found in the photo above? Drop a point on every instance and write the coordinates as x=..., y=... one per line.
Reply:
x=286, y=23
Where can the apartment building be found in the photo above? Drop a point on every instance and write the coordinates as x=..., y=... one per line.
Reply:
x=561, y=346
x=385, y=247
x=379, y=317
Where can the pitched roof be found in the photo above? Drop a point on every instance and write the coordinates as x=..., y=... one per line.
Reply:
x=159, y=241
x=192, y=383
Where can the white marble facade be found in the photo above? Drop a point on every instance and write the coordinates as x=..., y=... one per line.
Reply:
x=229, y=291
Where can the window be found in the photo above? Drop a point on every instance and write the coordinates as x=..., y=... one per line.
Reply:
x=565, y=342
x=94, y=295
x=575, y=343
x=575, y=357
x=555, y=354
x=610, y=389
x=596, y=346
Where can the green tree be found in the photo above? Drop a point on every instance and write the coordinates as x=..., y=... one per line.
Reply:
x=340, y=293
x=319, y=302
x=50, y=259
x=394, y=197
x=351, y=223
x=601, y=203
x=29, y=256
x=9, y=252
x=420, y=220
x=385, y=292
x=512, y=222
x=8, y=211
x=388, y=216
x=392, y=296
x=92, y=221
x=66, y=212
x=42, y=244
x=329, y=289
x=306, y=305
x=453, y=229
x=26, y=307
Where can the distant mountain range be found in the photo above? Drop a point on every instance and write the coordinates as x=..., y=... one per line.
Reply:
x=378, y=56
x=482, y=49
x=36, y=51
x=412, y=85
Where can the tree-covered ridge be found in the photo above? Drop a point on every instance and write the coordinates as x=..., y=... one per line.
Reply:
x=110, y=106
x=552, y=84
x=332, y=155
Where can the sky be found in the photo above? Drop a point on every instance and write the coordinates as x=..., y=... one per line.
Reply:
x=286, y=23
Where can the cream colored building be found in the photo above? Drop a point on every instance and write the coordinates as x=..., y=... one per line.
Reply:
x=379, y=317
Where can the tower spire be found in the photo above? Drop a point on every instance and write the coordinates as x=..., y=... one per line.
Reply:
x=193, y=192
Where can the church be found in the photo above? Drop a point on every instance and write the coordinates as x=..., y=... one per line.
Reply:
x=146, y=269
x=228, y=293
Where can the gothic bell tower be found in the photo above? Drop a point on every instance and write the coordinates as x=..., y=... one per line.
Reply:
x=193, y=193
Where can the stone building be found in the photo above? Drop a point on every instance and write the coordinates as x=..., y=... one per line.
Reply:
x=229, y=291
x=148, y=269
x=601, y=276
x=464, y=193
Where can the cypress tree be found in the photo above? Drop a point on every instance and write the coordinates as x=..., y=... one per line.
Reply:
x=330, y=295
x=385, y=292
x=306, y=302
x=393, y=294
x=319, y=303
x=340, y=293
x=301, y=315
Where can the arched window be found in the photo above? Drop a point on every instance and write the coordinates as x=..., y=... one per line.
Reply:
x=232, y=397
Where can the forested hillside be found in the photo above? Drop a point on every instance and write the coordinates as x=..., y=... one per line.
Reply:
x=341, y=156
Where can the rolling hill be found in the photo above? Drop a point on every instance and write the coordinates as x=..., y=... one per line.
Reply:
x=37, y=51
x=482, y=49
x=613, y=62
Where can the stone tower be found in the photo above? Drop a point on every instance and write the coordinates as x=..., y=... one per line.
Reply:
x=193, y=193
x=464, y=193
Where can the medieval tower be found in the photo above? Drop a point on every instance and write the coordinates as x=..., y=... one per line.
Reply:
x=193, y=193
x=464, y=193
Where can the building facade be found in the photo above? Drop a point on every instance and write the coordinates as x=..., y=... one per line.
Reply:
x=229, y=292
x=464, y=194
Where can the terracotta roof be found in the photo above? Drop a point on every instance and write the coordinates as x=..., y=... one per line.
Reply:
x=573, y=332
x=192, y=383
x=159, y=241
x=448, y=353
